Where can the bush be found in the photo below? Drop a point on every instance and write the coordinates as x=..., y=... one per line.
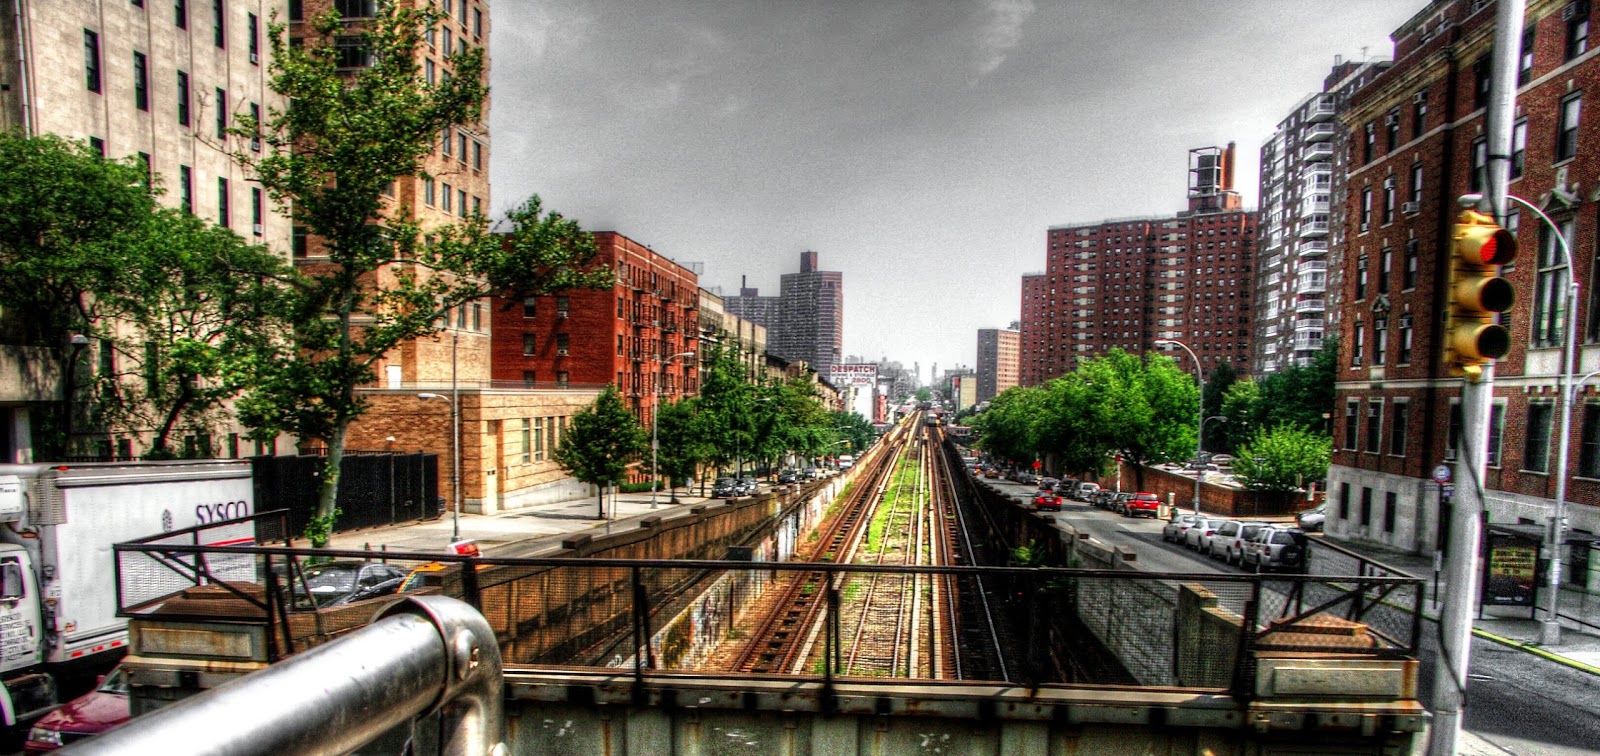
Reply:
x=640, y=487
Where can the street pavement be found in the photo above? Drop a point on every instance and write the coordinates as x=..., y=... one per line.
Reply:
x=1521, y=699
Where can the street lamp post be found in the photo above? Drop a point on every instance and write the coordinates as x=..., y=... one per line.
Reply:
x=455, y=462
x=1550, y=630
x=1200, y=414
x=655, y=413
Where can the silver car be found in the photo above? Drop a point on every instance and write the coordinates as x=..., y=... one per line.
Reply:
x=1202, y=530
x=1173, y=531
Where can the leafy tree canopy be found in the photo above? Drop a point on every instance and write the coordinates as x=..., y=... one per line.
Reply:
x=1283, y=458
x=601, y=441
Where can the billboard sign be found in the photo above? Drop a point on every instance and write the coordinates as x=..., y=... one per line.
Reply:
x=857, y=375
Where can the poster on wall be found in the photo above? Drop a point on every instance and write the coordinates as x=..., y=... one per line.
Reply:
x=1510, y=571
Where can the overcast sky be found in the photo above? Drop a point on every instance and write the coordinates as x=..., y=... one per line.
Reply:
x=922, y=147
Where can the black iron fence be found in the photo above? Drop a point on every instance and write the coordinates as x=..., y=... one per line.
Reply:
x=375, y=488
x=1056, y=626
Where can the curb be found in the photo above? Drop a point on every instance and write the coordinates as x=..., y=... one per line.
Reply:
x=1537, y=651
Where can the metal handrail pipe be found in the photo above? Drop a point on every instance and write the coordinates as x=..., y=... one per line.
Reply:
x=425, y=654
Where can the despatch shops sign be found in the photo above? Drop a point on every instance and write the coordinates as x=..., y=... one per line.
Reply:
x=853, y=375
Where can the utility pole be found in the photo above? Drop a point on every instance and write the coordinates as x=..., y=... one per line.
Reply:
x=1477, y=395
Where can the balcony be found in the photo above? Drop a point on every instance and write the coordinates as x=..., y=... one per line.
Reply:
x=1312, y=208
x=1312, y=266
x=1313, y=324
x=1316, y=151
x=1313, y=248
x=1321, y=109
x=1315, y=283
x=1321, y=131
x=1307, y=341
x=1313, y=228
x=1311, y=305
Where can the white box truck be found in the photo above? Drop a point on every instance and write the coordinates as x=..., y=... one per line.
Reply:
x=58, y=589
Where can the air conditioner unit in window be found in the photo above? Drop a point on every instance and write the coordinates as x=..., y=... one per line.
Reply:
x=1419, y=98
x=1391, y=119
x=254, y=58
x=1411, y=208
x=561, y=314
x=561, y=352
x=258, y=229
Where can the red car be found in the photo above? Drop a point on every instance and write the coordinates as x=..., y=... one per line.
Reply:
x=92, y=713
x=1143, y=504
x=1047, y=500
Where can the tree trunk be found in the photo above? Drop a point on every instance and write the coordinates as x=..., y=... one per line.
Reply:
x=328, y=494
x=164, y=436
x=600, y=501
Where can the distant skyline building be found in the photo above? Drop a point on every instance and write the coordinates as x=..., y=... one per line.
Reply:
x=810, y=316
x=997, y=361
x=751, y=306
x=1297, y=284
x=1127, y=282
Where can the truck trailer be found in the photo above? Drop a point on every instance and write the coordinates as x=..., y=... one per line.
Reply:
x=58, y=589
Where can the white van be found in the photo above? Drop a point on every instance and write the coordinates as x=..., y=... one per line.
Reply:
x=1086, y=491
x=846, y=461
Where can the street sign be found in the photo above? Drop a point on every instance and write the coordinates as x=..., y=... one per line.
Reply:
x=1441, y=474
x=1037, y=464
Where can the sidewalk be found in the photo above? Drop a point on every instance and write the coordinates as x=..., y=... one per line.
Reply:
x=1510, y=626
x=528, y=531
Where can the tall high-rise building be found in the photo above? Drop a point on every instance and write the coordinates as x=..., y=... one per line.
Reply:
x=750, y=305
x=1419, y=142
x=997, y=361
x=1303, y=168
x=811, y=316
x=1126, y=283
x=151, y=81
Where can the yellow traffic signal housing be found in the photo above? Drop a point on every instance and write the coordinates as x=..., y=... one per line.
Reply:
x=1477, y=293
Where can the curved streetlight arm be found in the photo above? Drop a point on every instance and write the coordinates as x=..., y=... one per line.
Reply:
x=1200, y=424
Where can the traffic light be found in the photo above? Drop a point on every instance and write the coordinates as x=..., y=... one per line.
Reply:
x=1477, y=293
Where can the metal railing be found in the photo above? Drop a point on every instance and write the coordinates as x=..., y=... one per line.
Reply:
x=1059, y=626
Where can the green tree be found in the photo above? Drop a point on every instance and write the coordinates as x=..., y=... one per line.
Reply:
x=723, y=422
x=1221, y=379
x=851, y=428
x=600, y=442
x=378, y=282
x=1246, y=412
x=1283, y=459
x=680, y=449
x=1144, y=407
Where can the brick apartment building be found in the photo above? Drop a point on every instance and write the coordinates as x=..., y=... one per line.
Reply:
x=625, y=335
x=1302, y=228
x=152, y=81
x=721, y=328
x=811, y=316
x=997, y=361
x=1417, y=139
x=1124, y=283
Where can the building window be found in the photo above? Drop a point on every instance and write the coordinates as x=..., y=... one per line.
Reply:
x=1567, y=128
x=186, y=187
x=447, y=197
x=351, y=52
x=256, y=211
x=1385, y=264
x=561, y=378
x=1416, y=185
x=219, y=34
x=1366, y=208
x=1589, y=451
x=1398, y=426
x=141, y=81
x=1525, y=58
x=1391, y=123
x=1371, y=141
x=1352, y=417
x=1366, y=506
x=222, y=113
x=180, y=13
x=1419, y=113
x=1496, y=430
x=528, y=345
x=563, y=305
x=527, y=428
x=1388, y=201
x=356, y=8
x=477, y=156
x=1408, y=277
x=477, y=23
x=1361, y=278
x=477, y=316
x=427, y=191
x=461, y=201
x=461, y=146
x=1380, y=339
x=183, y=98
x=224, y=215
x=1519, y=147
x=1375, y=425
x=1480, y=82
x=297, y=10
x=563, y=341
x=253, y=26
x=98, y=145
x=149, y=170
x=1550, y=293
x=300, y=241
x=530, y=306
x=1406, y=336
x=255, y=127
x=91, y=60
x=1480, y=163
x=1536, y=444
x=1390, y=513
x=1578, y=34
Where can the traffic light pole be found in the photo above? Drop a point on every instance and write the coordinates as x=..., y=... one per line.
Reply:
x=1477, y=397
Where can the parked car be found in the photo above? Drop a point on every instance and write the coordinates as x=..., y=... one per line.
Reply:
x=1027, y=478
x=1047, y=482
x=1276, y=547
x=1119, y=503
x=749, y=487
x=1066, y=487
x=345, y=581
x=1173, y=531
x=1231, y=547
x=1313, y=519
x=1197, y=535
x=1047, y=500
x=92, y=713
x=1143, y=504
x=789, y=476
x=724, y=488
x=992, y=473
x=1086, y=491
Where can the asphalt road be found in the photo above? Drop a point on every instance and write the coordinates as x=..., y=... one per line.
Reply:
x=1522, y=703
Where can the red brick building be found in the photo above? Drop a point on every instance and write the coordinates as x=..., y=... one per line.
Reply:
x=1124, y=283
x=1417, y=144
x=624, y=335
